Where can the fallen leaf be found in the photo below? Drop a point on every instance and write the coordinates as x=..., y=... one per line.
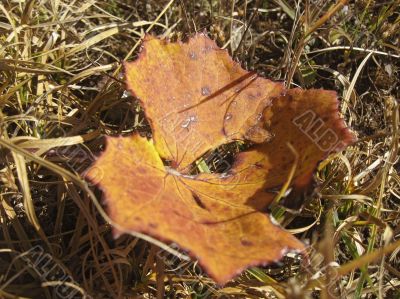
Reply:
x=196, y=98
x=216, y=217
x=204, y=214
x=309, y=121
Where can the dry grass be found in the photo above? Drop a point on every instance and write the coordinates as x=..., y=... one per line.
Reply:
x=61, y=90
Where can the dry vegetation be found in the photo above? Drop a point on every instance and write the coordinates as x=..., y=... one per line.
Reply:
x=62, y=89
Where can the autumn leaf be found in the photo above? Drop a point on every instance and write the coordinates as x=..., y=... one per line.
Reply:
x=204, y=214
x=196, y=98
x=309, y=121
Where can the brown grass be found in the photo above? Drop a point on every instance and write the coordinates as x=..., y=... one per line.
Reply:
x=62, y=89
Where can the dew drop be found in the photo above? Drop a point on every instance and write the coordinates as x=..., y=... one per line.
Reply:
x=205, y=91
x=228, y=116
x=206, y=49
x=188, y=121
x=192, y=55
x=224, y=175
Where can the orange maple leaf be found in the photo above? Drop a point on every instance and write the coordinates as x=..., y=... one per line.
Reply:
x=196, y=98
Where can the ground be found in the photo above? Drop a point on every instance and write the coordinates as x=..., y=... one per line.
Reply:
x=61, y=77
